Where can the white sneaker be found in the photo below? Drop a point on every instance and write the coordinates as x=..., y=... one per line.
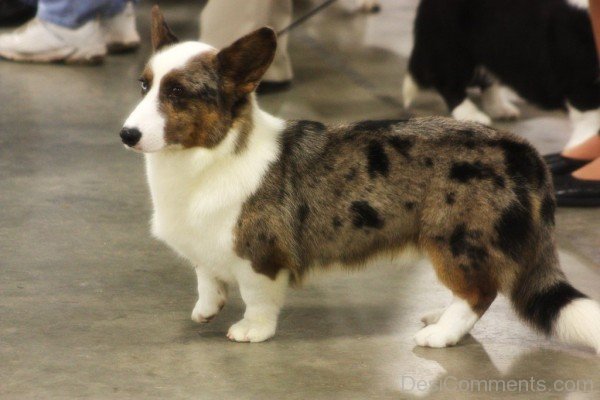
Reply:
x=42, y=41
x=120, y=33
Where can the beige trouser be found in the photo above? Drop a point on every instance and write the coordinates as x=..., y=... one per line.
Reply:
x=224, y=21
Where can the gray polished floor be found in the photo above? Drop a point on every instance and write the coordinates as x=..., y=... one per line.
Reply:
x=92, y=307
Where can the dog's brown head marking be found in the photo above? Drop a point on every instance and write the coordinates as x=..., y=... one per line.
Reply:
x=194, y=93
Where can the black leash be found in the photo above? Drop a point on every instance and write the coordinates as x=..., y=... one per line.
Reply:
x=305, y=17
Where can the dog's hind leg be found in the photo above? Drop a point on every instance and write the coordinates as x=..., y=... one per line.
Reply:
x=473, y=288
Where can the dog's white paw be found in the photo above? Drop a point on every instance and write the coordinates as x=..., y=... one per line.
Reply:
x=468, y=111
x=497, y=106
x=204, y=311
x=253, y=331
x=436, y=335
x=432, y=317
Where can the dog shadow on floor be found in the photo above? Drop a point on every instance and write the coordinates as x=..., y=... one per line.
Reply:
x=307, y=322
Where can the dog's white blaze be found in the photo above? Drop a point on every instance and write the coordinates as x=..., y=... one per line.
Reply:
x=147, y=117
x=579, y=3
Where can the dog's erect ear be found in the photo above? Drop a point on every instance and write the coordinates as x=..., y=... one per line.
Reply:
x=160, y=31
x=243, y=63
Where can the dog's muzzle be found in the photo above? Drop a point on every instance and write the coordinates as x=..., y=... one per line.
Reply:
x=130, y=136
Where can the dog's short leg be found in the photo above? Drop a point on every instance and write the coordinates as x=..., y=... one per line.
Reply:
x=455, y=322
x=474, y=290
x=468, y=111
x=264, y=298
x=432, y=317
x=496, y=104
x=212, y=295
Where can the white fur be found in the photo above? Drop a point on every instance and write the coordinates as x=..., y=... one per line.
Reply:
x=496, y=104
x=197, y=196
x=579, y=323
x=264, y=298
x=410, y=90
x=212, y=294
x=468, y=111
x=586, y=124
x=147, y=117
x=583, y=4
x=448, y=327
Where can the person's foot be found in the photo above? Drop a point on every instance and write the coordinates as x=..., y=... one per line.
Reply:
x=574, y=192
x=44, y=42
x=14, y=12
x=120, y=32
x=270, y=87
x=560, y=165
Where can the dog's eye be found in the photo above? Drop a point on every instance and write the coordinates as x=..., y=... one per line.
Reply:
x=144, y=85
x=175, y=91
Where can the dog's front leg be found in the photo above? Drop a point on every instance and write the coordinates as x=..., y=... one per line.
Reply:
x=264, y=298
x=212, y=294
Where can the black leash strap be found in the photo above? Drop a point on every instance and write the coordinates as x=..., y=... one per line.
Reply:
x=305, y=17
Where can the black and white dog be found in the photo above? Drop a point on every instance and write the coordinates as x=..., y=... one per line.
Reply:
x=543, y=49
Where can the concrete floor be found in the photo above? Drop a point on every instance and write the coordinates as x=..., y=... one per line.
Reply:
x=92, y=307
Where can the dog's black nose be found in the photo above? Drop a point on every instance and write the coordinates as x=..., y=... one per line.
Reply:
x=130, y=136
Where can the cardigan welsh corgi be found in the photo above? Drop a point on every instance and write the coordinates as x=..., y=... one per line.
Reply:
x=543, y=49
x=251, y=199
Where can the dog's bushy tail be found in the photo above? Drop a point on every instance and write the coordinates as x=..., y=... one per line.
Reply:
x=544, y=298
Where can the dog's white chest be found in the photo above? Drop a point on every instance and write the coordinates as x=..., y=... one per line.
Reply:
x=191, y=214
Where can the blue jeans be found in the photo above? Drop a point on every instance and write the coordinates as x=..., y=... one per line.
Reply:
x=74, y=13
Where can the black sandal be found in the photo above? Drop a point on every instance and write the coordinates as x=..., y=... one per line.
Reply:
x=573, y=192
x=561, y=165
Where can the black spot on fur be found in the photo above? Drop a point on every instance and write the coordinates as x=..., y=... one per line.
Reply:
x=522, y=162
x=461, y=243
x=409, y=205
x=547, y=209
x=514, y=229
x=304, y=125
x=428, y=162
x=450, y=198
x=351, y=174
x=336, y=222
x=543, y=307
x=469, y=144
x=337, y=192
x=401, y=145
x=458, y=240
x=464, y=172
x=303, y=211
x=378, y=161
x=365, y=216
x=376, y=125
